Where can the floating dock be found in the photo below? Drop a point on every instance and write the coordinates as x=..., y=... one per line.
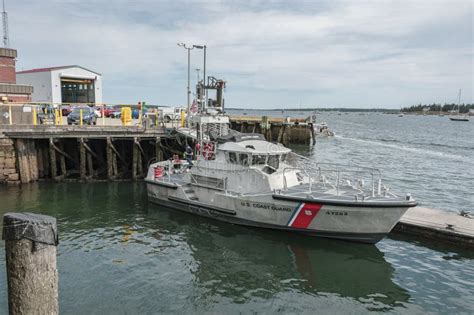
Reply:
x=437, y=225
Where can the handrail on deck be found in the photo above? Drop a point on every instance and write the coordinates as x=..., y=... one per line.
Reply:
x=323, y=173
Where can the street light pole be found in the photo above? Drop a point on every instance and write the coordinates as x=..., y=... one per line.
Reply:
x=189, y=72
x=205, y=89
x=204, y=70
x=189, y=75
x=197, y=71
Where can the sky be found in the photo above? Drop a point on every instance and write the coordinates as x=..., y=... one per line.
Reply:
x=273, y=54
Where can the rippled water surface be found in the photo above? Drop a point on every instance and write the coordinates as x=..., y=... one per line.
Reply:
x=120, y=255
x=430, y=157
x=117, y=254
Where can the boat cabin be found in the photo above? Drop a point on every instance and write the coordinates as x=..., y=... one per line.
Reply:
x=259, y=154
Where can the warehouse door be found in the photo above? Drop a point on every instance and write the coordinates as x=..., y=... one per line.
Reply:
x=77, y=90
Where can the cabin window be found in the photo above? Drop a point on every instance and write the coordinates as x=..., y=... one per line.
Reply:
x=232, y=157
x=273, y=161
x=287, y=158
x=244, y=159
x=259, y=159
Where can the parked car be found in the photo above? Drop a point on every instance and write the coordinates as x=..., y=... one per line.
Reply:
x=66, y=110
x=107, y=110
x=171, y=113
x=88, y=116
x=98, y=112
x=117, y=113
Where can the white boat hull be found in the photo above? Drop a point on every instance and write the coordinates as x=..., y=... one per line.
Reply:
x=354, y=221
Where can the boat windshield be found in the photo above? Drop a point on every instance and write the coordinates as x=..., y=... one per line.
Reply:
x=259, y=159
x=244, y=159
x=273, y=161
x=238, y=158
x=233, y=157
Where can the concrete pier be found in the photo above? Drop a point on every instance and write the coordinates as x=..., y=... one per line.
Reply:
x=437, y=225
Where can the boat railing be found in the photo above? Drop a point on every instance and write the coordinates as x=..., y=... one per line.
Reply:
x=169, y=168
x=297, y=160
x=337, y=177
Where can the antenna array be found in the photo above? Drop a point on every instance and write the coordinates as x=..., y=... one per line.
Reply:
x=6, y=40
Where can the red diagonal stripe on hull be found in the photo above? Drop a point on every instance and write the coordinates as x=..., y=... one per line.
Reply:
x=306, y=215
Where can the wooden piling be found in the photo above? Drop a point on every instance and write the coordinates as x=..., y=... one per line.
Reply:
x=90, y=165
x=52, y=158
x=46, y=165
x=114, y=160
x=285, y=139
x=32, y=275
x=139, y=165
x=280, y=133
x=82, y=159
x=158, y=150
x=313, y=136
x=110, y=168
x=62, y=160
x=114, y=166
x=40, y=161
x=140, y=157
x=134, y=159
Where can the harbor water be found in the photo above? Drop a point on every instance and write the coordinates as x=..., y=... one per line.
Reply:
x=120, y=255
x=430, y=157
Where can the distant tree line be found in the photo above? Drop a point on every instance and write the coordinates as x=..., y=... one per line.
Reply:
x=463, y=108
x=318, y=109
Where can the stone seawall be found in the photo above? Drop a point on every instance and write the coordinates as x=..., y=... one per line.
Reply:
x=8, y=164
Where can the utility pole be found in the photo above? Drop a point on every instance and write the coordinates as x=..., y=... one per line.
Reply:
x=6, y=40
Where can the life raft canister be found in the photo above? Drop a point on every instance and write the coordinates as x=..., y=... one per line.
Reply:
x=208, y=151
x=159, y=170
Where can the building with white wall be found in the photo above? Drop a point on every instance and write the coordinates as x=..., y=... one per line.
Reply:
x=66, y=84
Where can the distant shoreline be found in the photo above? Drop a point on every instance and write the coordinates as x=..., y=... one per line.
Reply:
x=378, y=110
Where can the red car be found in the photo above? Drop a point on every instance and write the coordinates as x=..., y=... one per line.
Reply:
x=107, y=110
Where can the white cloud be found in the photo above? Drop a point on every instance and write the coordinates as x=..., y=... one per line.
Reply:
x=317, y=53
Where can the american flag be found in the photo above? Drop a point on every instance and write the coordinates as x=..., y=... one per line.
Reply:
x=194, y=108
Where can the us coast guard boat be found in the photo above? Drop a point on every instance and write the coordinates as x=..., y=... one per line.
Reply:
x=244, y=179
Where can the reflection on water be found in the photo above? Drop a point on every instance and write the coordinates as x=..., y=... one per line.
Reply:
x=117, y=254
x=241, y=264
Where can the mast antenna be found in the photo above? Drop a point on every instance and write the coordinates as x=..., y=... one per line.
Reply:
x=6, y=40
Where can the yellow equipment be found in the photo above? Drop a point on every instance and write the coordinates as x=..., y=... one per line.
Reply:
x=183, y=118
x=126, y=115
